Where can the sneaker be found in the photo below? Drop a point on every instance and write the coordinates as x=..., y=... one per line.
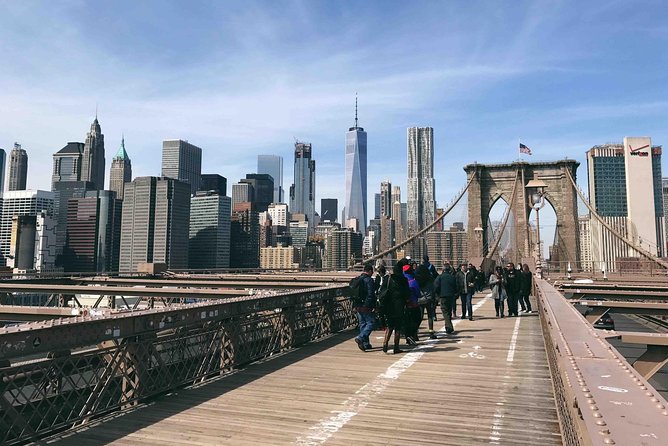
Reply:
x=432, y=336
x=471, y=318
x=449, y=331
x=396, y=351
x=384, y=348
x=360, y=344
x=410, y=341
x=368, y=346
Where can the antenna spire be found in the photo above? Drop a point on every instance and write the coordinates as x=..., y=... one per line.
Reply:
x=355, y=110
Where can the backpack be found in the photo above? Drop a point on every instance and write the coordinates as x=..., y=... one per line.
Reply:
x=384, y=294
x=357, y=290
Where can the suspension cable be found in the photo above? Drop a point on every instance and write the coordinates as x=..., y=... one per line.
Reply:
x=613, y=231
x=427, y=228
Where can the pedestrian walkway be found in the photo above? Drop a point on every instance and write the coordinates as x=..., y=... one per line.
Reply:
x=488, y=384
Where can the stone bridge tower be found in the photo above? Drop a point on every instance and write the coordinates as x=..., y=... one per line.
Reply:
x=492, y=182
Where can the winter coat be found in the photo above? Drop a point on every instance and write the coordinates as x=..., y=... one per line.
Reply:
x=445, y=285
x=526, y=279
x=465, y=281
x=397, y=294
x=498, y=287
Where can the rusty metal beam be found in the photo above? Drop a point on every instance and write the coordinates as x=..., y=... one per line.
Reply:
x=31, y=313
x=653, y=308
x=120, y=291
x=656, y=356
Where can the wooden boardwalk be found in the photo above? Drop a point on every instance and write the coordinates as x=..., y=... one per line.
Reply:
x=488, y=384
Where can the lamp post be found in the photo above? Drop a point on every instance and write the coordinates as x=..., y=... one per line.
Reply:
x=478, y=231
x=536, y=191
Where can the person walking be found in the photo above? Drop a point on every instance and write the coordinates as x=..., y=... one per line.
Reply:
x=425, y=275
x=465, y=287
x=526, y=284
x=497, y=283
x=366, y=308
x=392, y=302
x=512, y=288
x=412, y=316
x=445, y=287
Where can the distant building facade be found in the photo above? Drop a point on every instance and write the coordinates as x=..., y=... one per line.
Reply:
x=3, y=162
x=67, y=163
x=121, y=171
x=182, y=161
x=329, y=209
x=155, y=221
x=92, y=160
x=32, y=247
x=262, y=189
x=450, y=246
x=356, y=175
x=273, y=165
x=93, y=233
x=212, y=182
x=584, y=229
x=20, y=203
x=210, y=230
x=245, y=237
x=421, y=203
x=343, y=249
x=302, y=191
x=18, y=168
x=278, y=258
x=625, y=189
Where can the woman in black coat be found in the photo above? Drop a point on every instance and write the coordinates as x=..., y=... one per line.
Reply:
x=392, y=305
x=526, y=283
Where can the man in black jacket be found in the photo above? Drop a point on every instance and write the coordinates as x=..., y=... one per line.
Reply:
x=512, y=288
x=366, y=309
x=425, y=275
x=445, y=287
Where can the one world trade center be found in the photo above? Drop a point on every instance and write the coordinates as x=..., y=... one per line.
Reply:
x=356, y=175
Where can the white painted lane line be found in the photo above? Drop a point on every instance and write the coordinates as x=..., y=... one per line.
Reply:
x=327, y=427
x=513, y=341
x=322, y=431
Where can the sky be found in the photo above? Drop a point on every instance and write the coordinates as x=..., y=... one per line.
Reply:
x=239, y=79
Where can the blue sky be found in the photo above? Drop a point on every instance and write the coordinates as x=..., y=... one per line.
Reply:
x=245, y=78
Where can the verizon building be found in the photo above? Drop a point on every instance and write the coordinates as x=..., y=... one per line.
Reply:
x=625, y=189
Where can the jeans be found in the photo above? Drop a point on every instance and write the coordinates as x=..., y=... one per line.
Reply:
x=513, y=300
x=498, y=306
x=525, y=302
x=467, y=305
x=366, y=321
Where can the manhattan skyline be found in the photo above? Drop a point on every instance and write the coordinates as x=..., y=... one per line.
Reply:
x=482, y=74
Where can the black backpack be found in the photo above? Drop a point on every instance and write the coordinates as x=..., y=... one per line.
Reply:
x=384, y=294
x=357, y=290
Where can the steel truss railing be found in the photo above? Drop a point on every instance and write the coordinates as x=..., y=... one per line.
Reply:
x=58, y=374
x=600, y=398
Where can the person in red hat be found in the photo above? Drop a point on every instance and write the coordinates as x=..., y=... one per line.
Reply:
x=413, y=315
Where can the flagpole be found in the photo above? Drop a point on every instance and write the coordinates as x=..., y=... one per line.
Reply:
x=519, y=151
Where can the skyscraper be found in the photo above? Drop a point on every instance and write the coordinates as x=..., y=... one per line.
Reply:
x=155, y=221
x=93, y=232
x=3, y=160
x=210, y=230
x=182, y=161
x=421, y=205
x=244, y=237
x=329, y=209
x=67, y=163
x=212, y=182
x=626, y=191
x=121, y=171
x=356, y=190
x=242, y=193
x=263, y=189
x=386, y=199
x=273, y=165
x=21, y=202
x=302, y=191
x=92, y=162
x=18, y=168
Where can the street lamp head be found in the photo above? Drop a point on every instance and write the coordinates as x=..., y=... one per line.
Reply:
x=536, y=191
x=478, y=232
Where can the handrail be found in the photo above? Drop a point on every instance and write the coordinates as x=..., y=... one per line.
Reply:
x=600, y=398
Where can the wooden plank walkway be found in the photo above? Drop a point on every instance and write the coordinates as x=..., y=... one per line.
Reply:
x=488, y=384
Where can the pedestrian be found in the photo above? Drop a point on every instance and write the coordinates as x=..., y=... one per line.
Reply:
x=393, y=304
x=445, y=287
x=465, y=286
x=365, y=306
x=425, y=275
x=481, y=280
x=497, y=283
x=526, y=284
x=512, y=288
x=412, y=315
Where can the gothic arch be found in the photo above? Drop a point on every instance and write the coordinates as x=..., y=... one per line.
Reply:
x=491, y=182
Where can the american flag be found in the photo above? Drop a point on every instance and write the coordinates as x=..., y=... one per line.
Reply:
x=525, y=149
